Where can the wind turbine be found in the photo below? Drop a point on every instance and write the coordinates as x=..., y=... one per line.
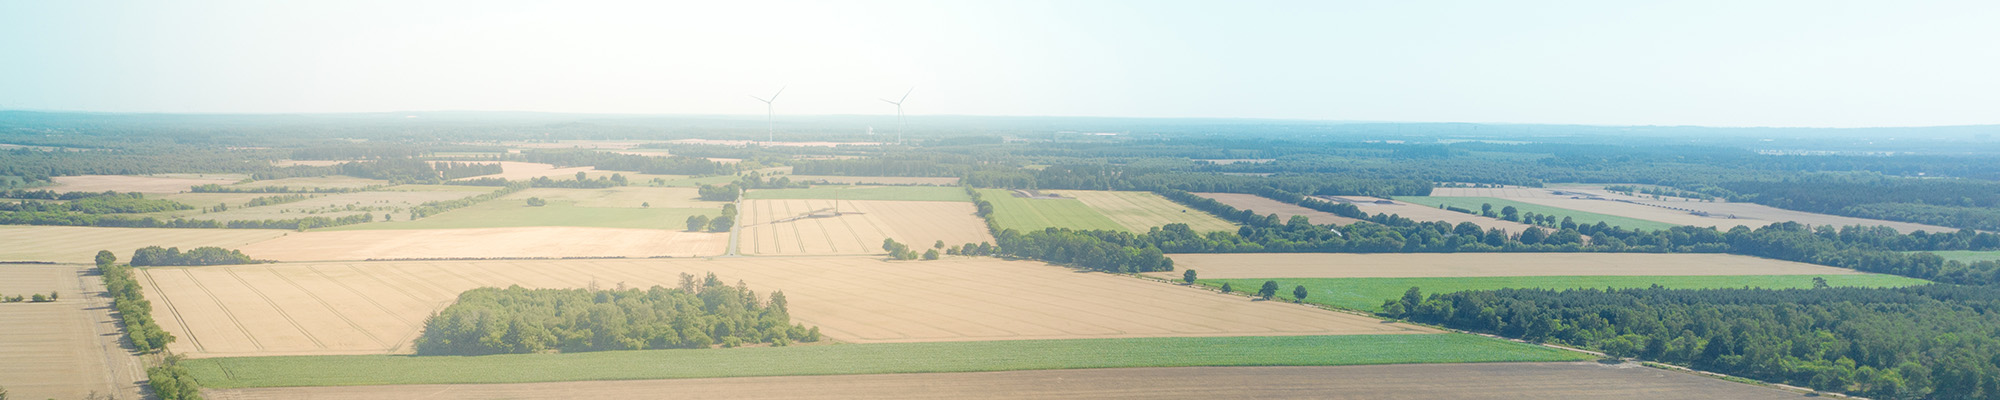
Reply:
x=768, y=112
x=899, y=112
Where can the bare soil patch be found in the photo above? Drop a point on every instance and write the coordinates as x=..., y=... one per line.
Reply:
x=142, y=184
x=520, y=242
x=1557, y=381
x=810, y=226
x=78, y=244
x=1343, y=265
x=378, y=307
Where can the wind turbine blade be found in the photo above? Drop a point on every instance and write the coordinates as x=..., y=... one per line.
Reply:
x=781, y=90
x=759, y=98
x=906, y=95
x=891, y=102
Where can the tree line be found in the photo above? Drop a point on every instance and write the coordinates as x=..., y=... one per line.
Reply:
x=699, y=314
x=150, y=256
x=108, y=203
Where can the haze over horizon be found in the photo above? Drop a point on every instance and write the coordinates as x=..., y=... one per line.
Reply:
x=1778, y=63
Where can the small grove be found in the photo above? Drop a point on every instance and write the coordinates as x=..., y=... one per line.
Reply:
x=151, y=256
x=695, y=315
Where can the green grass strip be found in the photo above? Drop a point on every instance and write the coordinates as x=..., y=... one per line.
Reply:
x=1581, y=217
x=1966, y=256
x=899, y=193
x=1367, y=294
x=839, y=359
x=1021, y=214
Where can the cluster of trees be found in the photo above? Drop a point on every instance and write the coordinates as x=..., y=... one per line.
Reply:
x=215, y=188
x=1658, y=191
x=695, y=315
x=172, y=256
x=133, y=309
x=273, y=200
x=718, y=224
x=1932, y=341
x=900, y=251
x=45, y=194
x=729, y=192
x=118, y=203
x=1958, y=203
x=38, y=298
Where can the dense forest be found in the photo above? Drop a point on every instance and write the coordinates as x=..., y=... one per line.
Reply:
x=698, y=314
x=1932, y=341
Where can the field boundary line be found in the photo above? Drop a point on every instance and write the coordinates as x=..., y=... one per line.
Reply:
x=275, y=307
x=176, y=312
x=330, y=308
x=225, y=308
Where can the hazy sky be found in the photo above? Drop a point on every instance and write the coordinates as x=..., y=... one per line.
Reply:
x=1727, y=63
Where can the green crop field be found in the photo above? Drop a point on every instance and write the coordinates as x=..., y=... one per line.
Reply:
x=504, y=213
x=1367, y=294
x=839, y=359
x=1967, y=256
x=1581, y=217
x=1021, y=214
x=898, y=193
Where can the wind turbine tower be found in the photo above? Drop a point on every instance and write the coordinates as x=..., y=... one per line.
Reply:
x=899, y=113
x=770, y=132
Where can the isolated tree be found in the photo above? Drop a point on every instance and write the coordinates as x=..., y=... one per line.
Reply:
x=729, y=210
x=39, y=298
x=53, y=296
x=1188, y=276
x=1510, y=213
x=1227, y=289
x=931, y=254
x=104, y=257
x=890, y=245
x=537, y=202
x=696, y=223
x=721, y=224
x=938, y=245
x=1300, y=293
x=579, y=175
x=1820, y=283
x=388, y=217
x=1269, y=290
x=646, y=204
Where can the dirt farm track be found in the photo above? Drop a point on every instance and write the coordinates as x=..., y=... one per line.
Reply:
x=1557, y=381
x=379, y=307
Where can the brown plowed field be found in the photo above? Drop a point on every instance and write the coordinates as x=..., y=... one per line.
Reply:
x=77, y=244
x=1332, y=265
x=1265, y=206
x=379, y=307
x=551, y=242
x=1540, y=381
x=858, y=230
x=1676, y=211
x=64, y=349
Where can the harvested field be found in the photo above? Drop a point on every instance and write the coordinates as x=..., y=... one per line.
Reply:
x=1265, y=206
x=515, y=212
x=1344, y=265
x=550, y=242
x=345, y=182
x=714, y=142
x=1581, y=217
x=378, y=307
x=67, y=348
x=339, y=205
x=78, y=244
x=578, y=144
x=877, y=180
x=1367, y=294
x=1675, y=211
x=1540, y=381
x=859, y=229
x=519, y=171
x=623, y=197
x=142, y=184
x=1421, y=212
x=1143, y=211
x=1025, y=214
x=895, y=193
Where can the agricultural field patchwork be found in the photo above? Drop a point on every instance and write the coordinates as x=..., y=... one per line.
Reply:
x=520, y=171
x=1367, y=294
x=395, y=203
x=1671, y=210
x=1143, y=211
x=1421, y=212
x=379, y=307
x=514, y=211
x=142, y=184
x=798, y=226
x=322, y=182
x=1418, y=265
x=892, y=193
x=1024, y=214
x=516, y=242
x=848, y=359
x=623, y=197
x=1508, y=380
x=1581, y=217
x=877, y=180
x=77, y=244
